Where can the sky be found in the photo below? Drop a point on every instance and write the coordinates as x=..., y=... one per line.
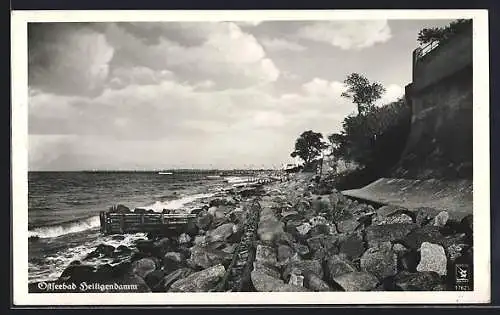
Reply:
x=224, y=95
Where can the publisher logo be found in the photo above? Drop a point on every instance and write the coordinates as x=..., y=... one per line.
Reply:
x=462, y=277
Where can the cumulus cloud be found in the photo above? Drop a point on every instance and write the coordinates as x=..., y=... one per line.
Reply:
x=68, y=59
x=347, y=34
x=278, y=44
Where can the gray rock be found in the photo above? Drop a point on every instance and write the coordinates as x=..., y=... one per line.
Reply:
x=396, y=218
x=429, y=233
x=352, y=246
x=184, y=238
x=347, y=226
x=338, y=265
x=377, y=234
x=304, y=228
x=202, y=281
x=318, y=220
x=433, y=258
x=270, y=230
x=174, y=276
x=285, y=252
x=143, y=266
x=314, y=283
x=357, y=281
x=381, y=262
x=263, y=282
x=222, y=232
x=296, y=279
x=172, y=261
x=266, y=255
x=441, y=219
x=419, y=281
x=313, y=266
x=203, y=220
x=271, y=271
x=205, y=257
x=316, y=242
x=425, y=215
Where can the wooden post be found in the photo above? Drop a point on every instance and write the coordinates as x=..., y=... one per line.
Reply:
x=142, y=218
x=122, y=223
x=162, y=218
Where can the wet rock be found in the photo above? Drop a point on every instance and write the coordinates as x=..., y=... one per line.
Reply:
x=263, y=282
x=433, y=258
x=172, y=277
x=230, y=248
x=204, y=220
x=199, y=240
x=146, y=246
x=143, y=266
x=313, y=266
x=154, y=280
x=386, y=211
x=206, y=257
x=118, y=237
x=320, y=205
x=222, y=232
x=352, y=246
x=202, y=281
x=337, y=265
x=377, y=234
x=441, y=219
x=419, y=281
x=284, y=252
x=357, y=281
x=347, y=226
x=429, y=233
x=136, y=281
x=381, y=262
x=172, y=261
x=266, y=255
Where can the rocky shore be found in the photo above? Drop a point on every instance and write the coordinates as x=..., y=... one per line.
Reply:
x=288, y=236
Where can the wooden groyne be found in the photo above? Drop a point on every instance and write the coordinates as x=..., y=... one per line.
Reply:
x=122, y=223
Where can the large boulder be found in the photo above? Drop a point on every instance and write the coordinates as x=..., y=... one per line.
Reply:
x=203, y=220
x=425, y=215
x=206, y=257
x=347, y=226
x=441, y=219
x=202, y=281
x=262, y=282
x=337, y=265
x=352, y=246
x=357, y=281
x=432, y=258
x=222, y=232
x=419, y=281
x=143, y=266
x=381, y=262
x=154, y=280
x=172, y=261
x=78, y=273
x=313, y=266
x=175, y=275
x=269, y=270
x=266, y=255
x=429, y=233
x=316, y=242
x=284, y=253
x=314, y=282
x=377, y=234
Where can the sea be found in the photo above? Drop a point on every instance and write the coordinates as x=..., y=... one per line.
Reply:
x=63, y=209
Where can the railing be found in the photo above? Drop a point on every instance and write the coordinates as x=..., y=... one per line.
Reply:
x=112, y=223
x=428, y=48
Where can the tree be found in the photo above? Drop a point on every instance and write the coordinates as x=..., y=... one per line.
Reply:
x=309, y=146
x=433, y=34
x=362, y=92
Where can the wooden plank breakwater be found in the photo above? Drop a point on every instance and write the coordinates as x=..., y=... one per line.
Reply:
x=123, y=223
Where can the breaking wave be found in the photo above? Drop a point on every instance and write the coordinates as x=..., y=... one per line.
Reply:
x=65, y=228
x=175, y=204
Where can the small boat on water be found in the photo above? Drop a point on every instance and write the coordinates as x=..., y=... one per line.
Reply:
x=165, y=173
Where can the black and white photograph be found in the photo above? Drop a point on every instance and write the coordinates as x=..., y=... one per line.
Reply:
x=310, y=158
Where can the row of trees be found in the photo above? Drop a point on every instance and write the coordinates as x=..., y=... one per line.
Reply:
x=374, y=137
x=367, y=136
